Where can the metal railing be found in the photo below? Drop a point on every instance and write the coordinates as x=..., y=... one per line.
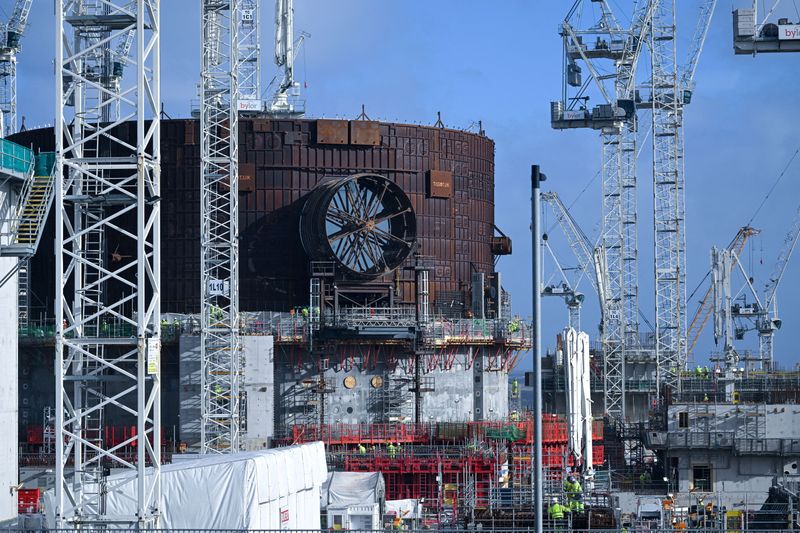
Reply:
x=550, y=526
x=376, y=317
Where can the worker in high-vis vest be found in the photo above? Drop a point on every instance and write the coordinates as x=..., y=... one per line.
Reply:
x=556, y=511
x=574, y=493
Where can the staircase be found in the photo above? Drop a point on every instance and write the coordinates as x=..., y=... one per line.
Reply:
x=33, y=207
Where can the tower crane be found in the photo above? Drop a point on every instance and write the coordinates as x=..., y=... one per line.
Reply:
x=587, y=255
x=706, y=308
x=768, y=322
x=762, y=312
x=615, y=118
x=219, y=238
x=14, y=31
x=286, y=102
x=752, y=36
x=94, y=187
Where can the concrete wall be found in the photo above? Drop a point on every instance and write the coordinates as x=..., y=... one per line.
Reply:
x=259, y=386
x=735, y=477
x=364, y=391
x=8, y=383
x=189, y=396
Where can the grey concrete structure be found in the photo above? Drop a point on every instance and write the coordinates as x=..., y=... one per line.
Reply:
x=8, y=384
x=285, y=387
x=189, y=396
x=258, y=387
x=733, y=451
x=469, y=387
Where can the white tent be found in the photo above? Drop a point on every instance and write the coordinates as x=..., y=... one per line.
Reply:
x=342, y=489
x=269, y=489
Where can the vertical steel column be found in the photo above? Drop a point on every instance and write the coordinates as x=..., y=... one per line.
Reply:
x=108, y=333
x=668, y=197
x=538, y=496
x=219, y=205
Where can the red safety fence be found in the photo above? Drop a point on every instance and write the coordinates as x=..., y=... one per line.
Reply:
x=554, y=431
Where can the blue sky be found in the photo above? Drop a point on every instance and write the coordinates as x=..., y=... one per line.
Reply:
x=500, y=62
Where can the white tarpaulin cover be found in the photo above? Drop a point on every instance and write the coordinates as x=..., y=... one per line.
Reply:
x=405, y=509
x=269, y=489
x=342, y=489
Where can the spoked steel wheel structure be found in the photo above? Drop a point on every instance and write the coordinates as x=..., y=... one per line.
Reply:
x=364, y=222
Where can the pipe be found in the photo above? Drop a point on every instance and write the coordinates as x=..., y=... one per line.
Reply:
x=536, y=178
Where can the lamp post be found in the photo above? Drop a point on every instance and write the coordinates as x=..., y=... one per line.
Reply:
x=536, y=178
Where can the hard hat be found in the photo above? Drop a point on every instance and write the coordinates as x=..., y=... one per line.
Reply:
x=554, y=500
x=571, y=479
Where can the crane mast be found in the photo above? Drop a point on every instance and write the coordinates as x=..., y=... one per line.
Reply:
x=219, y=337
x=669, y=236
x=105, y=337
x=616, y=120
x=250, y=56
x=11, y=46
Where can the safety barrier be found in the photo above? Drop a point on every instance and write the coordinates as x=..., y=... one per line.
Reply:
x=15, y=158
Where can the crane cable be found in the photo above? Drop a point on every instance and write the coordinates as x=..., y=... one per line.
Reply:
x=774, y=185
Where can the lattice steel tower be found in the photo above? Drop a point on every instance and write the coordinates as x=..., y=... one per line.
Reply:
x=220, y=342
x=107, y=314
x=12, y=34
x=616, y=260
x=250, y=55
x=668, y=196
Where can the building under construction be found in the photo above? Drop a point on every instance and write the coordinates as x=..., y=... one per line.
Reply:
x=252, y=280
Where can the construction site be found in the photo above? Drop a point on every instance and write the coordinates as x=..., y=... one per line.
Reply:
x=254, y=317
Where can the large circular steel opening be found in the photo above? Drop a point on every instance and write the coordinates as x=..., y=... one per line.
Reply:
x=365, y=223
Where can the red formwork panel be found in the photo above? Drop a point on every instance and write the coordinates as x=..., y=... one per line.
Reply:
x=28, y=501
x=362, y=433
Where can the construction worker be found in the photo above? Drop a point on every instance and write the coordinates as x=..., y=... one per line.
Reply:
x=362, y=450
x=573, y=491
x=216, y=313
x=397, y=523
x=705, y=398
x=556, y=513
x=391, y=451
x=397, y=448
x=576, y=503
x=304, y=312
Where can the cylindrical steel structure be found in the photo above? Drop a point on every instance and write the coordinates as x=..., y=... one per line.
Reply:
x=446, y=175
